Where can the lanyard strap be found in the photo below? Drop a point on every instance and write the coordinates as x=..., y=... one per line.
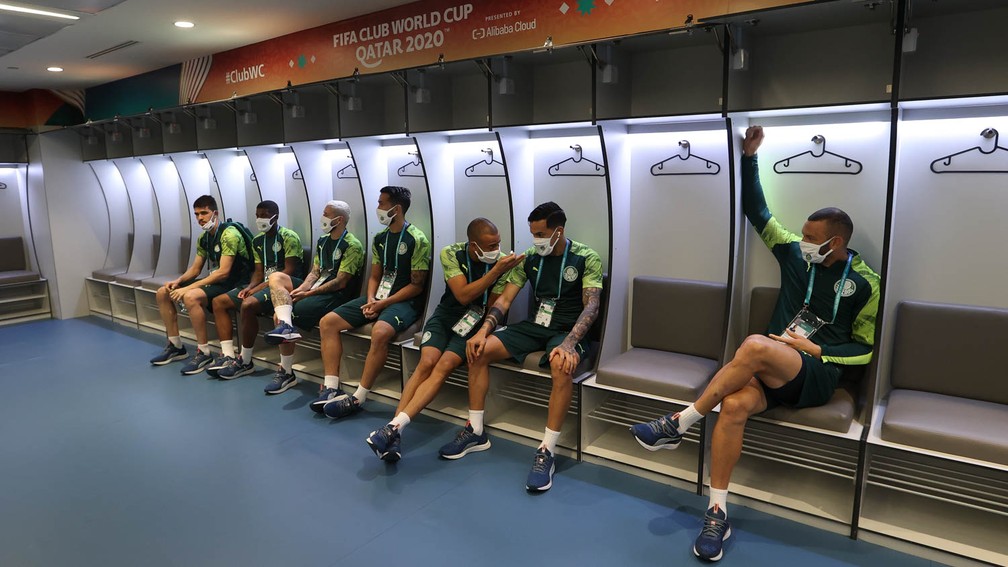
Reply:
x=486, y=269
x=332, y=258
x=276, y=253
x=563, y=266
x=839, y=293
x=385, y=258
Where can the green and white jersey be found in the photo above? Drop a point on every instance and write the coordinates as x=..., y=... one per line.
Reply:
x=402, y=252
x=227, y=242
x=343, y=254
x=849, y=339
x=456, y=261
x=554, y=277
x=272, y=250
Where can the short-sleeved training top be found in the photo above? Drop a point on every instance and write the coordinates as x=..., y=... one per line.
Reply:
x=581, y=270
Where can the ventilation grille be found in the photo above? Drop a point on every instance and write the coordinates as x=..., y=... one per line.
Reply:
x=529, y=390
x=830, y=455
x=108, y=50
x=623, y=410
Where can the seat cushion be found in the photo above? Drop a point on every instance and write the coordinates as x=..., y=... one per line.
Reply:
x=836, y=415
x=12, y=255
x=156, y=282
x=18, y=276
x=659, y=373
x=107, y=274
x=678, y=316
x=133, y=278
x=948, y=424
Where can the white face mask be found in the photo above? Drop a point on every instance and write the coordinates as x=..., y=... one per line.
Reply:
x=208, y=226
x=487, y=257
x=328, y=224
x=384, y=217
x=810, y=252
x=544, y=246
x=265, y=224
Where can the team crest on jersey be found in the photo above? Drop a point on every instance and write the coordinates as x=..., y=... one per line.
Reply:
x=217, y=249
x=337, y=254
x=277, y=247
x=426, y=337
x=402, y=248
x=848, y=289
x=570, y=274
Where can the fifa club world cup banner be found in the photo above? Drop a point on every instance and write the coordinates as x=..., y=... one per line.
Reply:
x=422, y=33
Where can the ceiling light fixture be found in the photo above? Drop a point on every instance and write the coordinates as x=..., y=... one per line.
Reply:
x=36, y=11
x=183, y=24
x=54, y=69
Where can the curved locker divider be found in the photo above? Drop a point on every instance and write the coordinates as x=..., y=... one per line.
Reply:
x=197, y=178
x=147, y=242
x=239, y=190
x=468, y=180
x=121, y=237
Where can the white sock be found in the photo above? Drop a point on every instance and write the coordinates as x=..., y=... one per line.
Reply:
x=283, y=312
x=400, y=421
x=205, y=349
x=719, y=497
x=550, y=440
x=246, y=354
x=688, y=417
x=361, y=394
x=332, y=381
x=175, y=341
x=227, y=348
x=476, y=421
x=287, y=362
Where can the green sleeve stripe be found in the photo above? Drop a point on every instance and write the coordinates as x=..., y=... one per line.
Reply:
x=421, y=258
x=775, y=233
x=849, y=360
x=863, y=327
x=353, y=256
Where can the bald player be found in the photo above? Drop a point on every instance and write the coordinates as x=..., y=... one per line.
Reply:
x=473, y=273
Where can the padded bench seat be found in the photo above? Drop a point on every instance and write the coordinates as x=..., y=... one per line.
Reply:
x=18, y=276
x=660, y=373
x=948, y=424
x=107, y=274
x=132, y=278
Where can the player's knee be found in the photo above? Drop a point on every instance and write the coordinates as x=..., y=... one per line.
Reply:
x=192, y=297
x=735, y=408
x=250, y=306
x=754, y=349
x=382, y=333
x=276, y=278
x=330, y=323
x=162, y=293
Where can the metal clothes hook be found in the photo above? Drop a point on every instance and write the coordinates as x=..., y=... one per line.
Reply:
x=577, y=150
x=489, y=153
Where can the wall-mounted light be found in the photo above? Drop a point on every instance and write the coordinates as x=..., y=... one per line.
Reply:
x=353, y=102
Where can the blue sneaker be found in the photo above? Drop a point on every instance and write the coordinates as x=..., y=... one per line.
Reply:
x=662, y=433
x=236, y=368
x=385, y=443
x=197, y=363
x=169, y=354
x=341, y=407
x=540, y=478
x=325, y=396
x=709, y=544
x=465, y=442
x=218, y=364
x=284, y=333
x=281, y=382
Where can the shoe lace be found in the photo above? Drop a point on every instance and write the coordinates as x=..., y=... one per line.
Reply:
x=539, y=465
x=713, y=527
x=662, y=425
x=463, y=434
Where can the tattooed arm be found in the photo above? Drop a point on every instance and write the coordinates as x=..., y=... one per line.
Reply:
x=566, y=352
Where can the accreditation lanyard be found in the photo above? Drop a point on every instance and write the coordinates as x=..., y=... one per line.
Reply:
x=839, y=293
x=385, y=258
x=332, y=265
x=486, y=268
x=563, y=266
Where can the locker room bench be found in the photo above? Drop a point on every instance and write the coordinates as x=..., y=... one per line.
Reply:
x=24, y=293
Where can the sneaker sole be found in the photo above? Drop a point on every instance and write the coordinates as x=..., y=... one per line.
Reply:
x=548, y=484
x=280, y=339
x=352, y=412
x=663, y=445
x=175, y=358
x=195, y=371
x=282, y=389
x=719, y=555
x=466, y=451
x=239, y=374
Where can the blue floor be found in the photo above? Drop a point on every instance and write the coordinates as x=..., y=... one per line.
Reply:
x=105, y=460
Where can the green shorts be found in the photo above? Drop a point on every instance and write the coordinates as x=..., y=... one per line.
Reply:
x=812, y=386
x=399, y=315
x=526, y=337
x=310, y=310
x=438, y=332
x=212, y=290
x=263, y=296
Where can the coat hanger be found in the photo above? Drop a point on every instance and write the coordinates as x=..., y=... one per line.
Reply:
x=486, y=167
x=818, y=163
x=347, y=172
x=297, y=175
x=577, y=166
x=975, y=159
x=688, y=164
x=413, y=168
